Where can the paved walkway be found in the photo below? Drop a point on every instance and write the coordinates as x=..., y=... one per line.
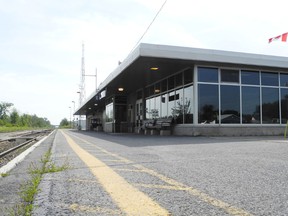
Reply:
x=114, y=174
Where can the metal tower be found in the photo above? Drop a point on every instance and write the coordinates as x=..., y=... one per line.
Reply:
x=82, y=94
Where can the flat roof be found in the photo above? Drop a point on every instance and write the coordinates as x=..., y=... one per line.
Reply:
x=165, y=54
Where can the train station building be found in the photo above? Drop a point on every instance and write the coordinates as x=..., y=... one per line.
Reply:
x=197, y=91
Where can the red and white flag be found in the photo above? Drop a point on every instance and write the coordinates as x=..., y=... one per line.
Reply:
x=282, y=37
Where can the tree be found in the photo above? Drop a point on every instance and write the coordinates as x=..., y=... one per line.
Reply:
x=14, y=117
x=64, y=123
x=4, y=109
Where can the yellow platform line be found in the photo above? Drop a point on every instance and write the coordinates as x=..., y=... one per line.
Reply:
x=129, y=199
x=232, y=210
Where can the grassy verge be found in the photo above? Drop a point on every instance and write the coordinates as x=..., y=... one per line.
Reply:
x=30, y=188
x=4, y=129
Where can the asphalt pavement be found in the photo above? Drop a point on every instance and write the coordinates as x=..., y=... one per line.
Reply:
x=129, y=174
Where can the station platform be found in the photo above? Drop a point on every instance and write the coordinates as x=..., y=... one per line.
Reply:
x=129, y=174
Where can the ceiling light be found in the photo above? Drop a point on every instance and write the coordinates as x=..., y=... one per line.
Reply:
x=120, y=89
x=154, y=68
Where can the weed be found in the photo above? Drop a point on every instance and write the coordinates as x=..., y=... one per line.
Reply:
x=30, y=188
x=4, y=174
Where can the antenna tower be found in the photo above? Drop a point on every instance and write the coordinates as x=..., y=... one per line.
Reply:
x=82, y=95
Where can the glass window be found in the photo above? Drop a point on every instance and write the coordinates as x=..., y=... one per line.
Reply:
x=269, y=79
x=148, y=109
x=284, y=80
x=188, y=104
x=250, y=105
x=270, y=106
x=171, y=82
x=164, y=85
x=230, y=104
x=208, y=103
x=228, y=75
x=188, y=76
x=178, y=80
x=171, y=103
x=207, y=74
x=179, y=108
x=164, y=106
x=284, y=105
x=109, y=112
x=157, y=112
x=250, y=77
x=157, y=89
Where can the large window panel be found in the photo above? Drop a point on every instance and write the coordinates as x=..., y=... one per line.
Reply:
x=164, y=106
x=171, y=103
x=157, y=107
x=230, y=104
x=208, y=103
x=178, y=111
x=188, y=76
x=250, y=77
x=250, y=105
x=284, y=80
x=188, y=104
x=270, y=106
x=284, y=105
x=148, y=109
x=207, y=74
x=229, y=75
x=269, y=79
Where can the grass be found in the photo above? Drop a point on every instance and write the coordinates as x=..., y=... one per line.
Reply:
x=5, y=129
x=4, y=174
x=30, y=188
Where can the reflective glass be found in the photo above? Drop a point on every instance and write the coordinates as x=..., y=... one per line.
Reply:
x=284, y=106
x=171, y=103
x=284, y=80
x=207, y=74
x=188, y=76
x=178, y=109
x=250, y=105
x=208, y=104
x=164, y=106
x=270, y=106
x=188, y=104
x=250, y=77
x=148, y=109
x=178, y=80
x=171, y=82
x=269, y=79
x=228, y=75
x=157, y=107
x=230, y=104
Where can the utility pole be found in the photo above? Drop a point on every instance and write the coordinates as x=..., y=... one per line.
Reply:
x=82, y=94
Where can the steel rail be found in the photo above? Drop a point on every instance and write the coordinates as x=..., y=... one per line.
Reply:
x=2, y=154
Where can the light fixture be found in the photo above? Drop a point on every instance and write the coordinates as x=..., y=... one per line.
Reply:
x=89, y=108
x=157, y=90
x=95, y=104
x=120, y=89
x=154, y=68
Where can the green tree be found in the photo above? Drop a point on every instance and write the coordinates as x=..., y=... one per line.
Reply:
x=4, y=109
x=64, y=123
x=15, y=117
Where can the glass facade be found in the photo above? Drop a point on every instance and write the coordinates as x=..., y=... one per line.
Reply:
x=173, y=98
x=224, y=96
x=242, y=96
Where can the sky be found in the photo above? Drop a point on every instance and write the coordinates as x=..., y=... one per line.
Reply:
x=41, y=41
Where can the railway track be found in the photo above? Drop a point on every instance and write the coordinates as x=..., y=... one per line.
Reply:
x=15, y=145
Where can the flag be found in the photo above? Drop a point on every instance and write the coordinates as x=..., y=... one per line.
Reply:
x=282, y=37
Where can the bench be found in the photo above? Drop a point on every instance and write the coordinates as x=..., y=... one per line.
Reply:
x=163, y=124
